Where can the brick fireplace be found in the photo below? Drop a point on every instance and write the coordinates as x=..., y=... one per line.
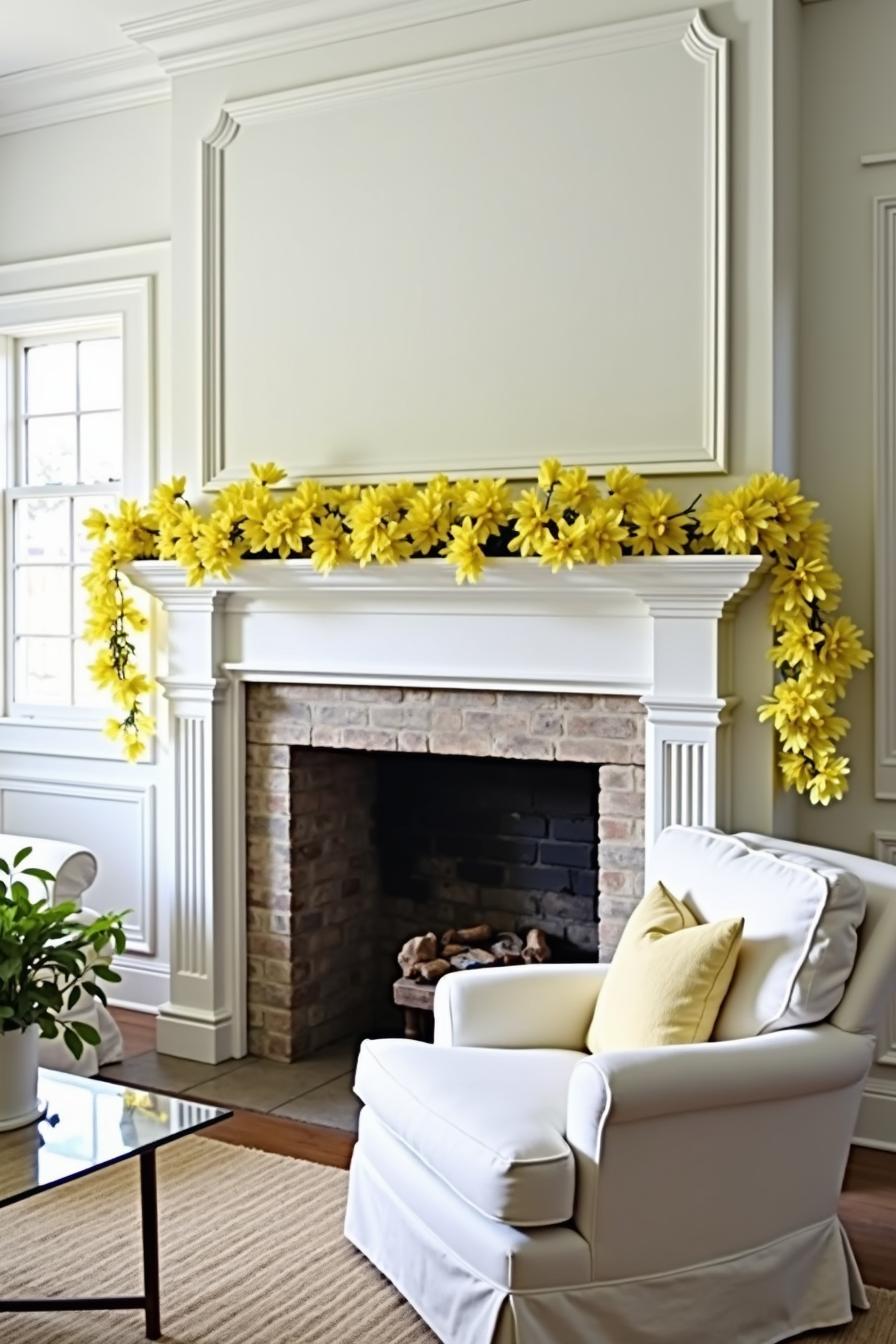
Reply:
x=377, y=812
x=629, y=670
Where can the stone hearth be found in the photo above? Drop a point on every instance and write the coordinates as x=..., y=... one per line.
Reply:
x=358, y=837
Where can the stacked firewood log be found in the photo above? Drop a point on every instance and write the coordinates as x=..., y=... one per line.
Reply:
x=428, y=957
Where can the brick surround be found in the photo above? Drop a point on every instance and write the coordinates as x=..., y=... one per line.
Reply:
x=323, y=926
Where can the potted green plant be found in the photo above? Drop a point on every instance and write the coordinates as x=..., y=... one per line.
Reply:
x=49, y=960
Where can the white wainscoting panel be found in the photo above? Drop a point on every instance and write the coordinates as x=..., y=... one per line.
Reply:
x=452, y=279
x=885, y=492
x=116, y=823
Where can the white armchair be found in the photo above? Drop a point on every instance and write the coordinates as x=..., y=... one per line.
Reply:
x=75, y=869
x=516, y=1189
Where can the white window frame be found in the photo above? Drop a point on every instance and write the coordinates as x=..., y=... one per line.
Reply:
x=75, y=309
x=17, y=351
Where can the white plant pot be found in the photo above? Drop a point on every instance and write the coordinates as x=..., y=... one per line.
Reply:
x=18, y=1078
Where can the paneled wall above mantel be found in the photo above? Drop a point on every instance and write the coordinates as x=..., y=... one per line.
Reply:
x=467, y=242
x=479, y=259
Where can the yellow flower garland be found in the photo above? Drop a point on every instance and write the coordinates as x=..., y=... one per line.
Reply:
x=565, y=520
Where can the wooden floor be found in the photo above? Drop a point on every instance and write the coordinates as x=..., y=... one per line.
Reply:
x=867, y=1207
x=272, y=1133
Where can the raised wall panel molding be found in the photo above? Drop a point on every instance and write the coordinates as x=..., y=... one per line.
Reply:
x=885, y=850
x=686, y=27
x=88, y=86
x=138, y=897
x=885, y=493
x=213, y=148
x=226, y=31
x=885, y=846
x=712, y=51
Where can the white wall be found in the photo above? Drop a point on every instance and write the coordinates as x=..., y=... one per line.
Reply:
x=848, y=110
x=87, y=195
x=81, y=185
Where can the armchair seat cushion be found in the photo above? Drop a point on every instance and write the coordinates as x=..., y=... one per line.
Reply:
x=489, y=1123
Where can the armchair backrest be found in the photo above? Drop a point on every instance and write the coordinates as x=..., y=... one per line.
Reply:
x=873, y=978
x=75, y=868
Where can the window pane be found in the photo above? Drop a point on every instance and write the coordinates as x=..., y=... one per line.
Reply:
x=43, y=671
x=43, y=600
x=101, y=446
x=50, y=378
x=52, y=453
x=99, y=375
x=86, y=694
x=83, y=505
x=79, y=600
x=41, y=529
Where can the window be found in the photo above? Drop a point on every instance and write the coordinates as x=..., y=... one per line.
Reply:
x=68, y=459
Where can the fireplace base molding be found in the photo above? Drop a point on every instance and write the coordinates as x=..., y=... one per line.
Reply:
x=655, y=628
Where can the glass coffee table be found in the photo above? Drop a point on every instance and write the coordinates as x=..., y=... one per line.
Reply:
x=89, y=1125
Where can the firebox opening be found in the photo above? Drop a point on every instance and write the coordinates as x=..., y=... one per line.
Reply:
x=377, y=813
x=387, y=845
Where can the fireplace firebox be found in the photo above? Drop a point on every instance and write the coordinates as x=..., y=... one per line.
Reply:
x=374, y=813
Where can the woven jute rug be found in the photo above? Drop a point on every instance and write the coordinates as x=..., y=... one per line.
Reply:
x=252, y=1253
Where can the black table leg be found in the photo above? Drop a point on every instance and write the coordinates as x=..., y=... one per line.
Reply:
x=150, y=1217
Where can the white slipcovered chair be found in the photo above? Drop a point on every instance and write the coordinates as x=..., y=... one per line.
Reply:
x=75, y=869
x=518, y=1190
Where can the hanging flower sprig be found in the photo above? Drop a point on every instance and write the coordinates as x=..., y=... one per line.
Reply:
x=566, y=519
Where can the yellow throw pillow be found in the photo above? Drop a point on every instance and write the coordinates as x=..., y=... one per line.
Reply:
x=667, y=981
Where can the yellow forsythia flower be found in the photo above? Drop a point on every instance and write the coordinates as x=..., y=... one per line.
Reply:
x=791, y=511
x=606, y=531
x=266, y=473
x=487, y=502
x=840, y=652
x=549, y=471
x=796, y=770
x=735, y=520
x=575, y=490
x=465, y=552
x=532, y=514
x=658, y=529
x=625, y=485
x=797, y=583
x=571, y=546
x=794, y=705
x=828, y=783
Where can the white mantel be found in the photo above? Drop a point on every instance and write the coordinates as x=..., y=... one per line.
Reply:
x=650, y=627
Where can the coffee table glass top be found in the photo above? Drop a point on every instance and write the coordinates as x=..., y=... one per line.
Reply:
x=91, y=1124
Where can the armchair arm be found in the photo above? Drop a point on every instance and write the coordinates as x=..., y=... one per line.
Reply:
x=525, y=1007
x=628, y=1085
x=743, y=1141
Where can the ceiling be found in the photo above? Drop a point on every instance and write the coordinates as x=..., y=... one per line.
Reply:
x=43, y=32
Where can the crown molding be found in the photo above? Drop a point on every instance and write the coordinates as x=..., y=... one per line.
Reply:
x=223, y=32
x=88, y=86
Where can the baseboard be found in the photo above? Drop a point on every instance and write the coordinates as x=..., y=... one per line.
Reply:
x=133, y=1007
x=144, y=987
x=876, y=1125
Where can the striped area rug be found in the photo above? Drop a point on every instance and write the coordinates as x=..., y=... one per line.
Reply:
x=252, y=1253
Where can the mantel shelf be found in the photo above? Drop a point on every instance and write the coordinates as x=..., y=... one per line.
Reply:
x=671, y=585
